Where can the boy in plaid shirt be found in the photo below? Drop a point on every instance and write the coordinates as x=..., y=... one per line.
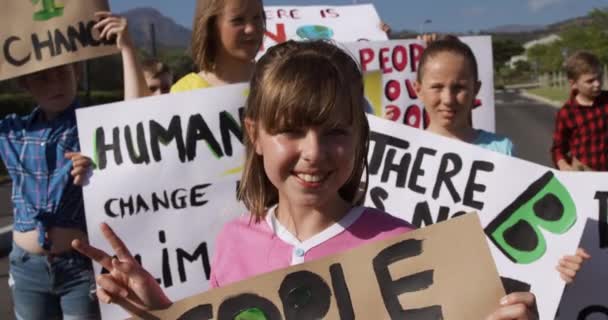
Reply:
x=580, y=139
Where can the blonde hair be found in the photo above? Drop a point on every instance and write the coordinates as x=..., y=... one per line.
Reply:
x=204, y=33
x=300, y=84
x=582, y=62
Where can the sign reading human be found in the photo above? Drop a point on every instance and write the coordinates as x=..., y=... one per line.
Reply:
x=40, y=34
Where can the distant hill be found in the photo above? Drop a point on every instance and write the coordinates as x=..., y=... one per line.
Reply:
x=514, y=28
x=171, y=34
x=168, y=33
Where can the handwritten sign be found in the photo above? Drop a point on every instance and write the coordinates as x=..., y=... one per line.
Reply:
x=424, y=274
x=338, y=23
x=390, y=73
x=46, y=33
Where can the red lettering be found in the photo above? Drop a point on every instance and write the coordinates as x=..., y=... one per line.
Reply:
x=278, y=37
x=477, y=103
x=412, y=116
x=294, y=14
x=383, y=60
x=366, y=55
x=410, y=89
x=392, y=90
x=399, y=57
x=416, y=53
x=392, y=113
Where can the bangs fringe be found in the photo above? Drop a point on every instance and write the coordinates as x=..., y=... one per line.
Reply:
x=300, y=98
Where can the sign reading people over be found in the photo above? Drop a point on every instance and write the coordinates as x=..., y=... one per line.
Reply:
x=338, y=23
x=532, y=215
x=441, y=272
x=390, y=73
x=39, y=34
x=158, y=161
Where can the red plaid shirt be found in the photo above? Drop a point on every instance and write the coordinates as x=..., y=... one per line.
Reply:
x=582, y=132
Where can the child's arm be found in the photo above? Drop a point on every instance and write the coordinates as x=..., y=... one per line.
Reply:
x=127, y=284
x=115, y=26
x=561, y=138
x=569, y=265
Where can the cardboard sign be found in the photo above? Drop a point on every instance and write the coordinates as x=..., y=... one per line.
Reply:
x=339, y=23
x=40, y=34
x=441, y=272
x=390, y=73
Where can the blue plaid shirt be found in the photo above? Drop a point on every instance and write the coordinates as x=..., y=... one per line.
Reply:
x=43, y=191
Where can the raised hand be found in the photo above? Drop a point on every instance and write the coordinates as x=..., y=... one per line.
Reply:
x=127, y=283
x=515, y=306
x=113, y=26
x=569, y=265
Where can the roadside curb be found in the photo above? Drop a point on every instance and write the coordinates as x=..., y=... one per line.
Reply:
x=553, y=103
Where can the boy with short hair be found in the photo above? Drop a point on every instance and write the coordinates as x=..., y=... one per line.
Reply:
x=48, y=280
x=159, y=78
x=580, y=139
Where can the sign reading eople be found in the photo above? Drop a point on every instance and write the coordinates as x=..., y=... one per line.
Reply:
x=412, y=276
x=40, y=34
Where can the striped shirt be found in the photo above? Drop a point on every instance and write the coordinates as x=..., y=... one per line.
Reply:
x=43, y=194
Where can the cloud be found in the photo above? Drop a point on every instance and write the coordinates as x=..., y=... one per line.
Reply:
x=536, y=5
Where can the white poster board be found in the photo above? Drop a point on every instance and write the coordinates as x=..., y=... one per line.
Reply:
x=158, y=186
x=424, y=178
x=390, y=72
x=339, y=23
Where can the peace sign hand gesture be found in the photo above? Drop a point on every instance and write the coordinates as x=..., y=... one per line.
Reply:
x=128, y=284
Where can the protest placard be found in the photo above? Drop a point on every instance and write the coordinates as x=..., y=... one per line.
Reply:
x=390, y=73
x=158, y=163
x=46, y=33
x=338, y=23
x=532, y=214
x=186, y=143
x=441, y=272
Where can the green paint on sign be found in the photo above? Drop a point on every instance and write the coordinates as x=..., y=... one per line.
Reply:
x=49, y=10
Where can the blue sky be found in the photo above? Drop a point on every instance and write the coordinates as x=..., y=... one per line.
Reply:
x=446, y=15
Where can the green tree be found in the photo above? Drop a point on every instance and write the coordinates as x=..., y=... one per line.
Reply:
x=503, y=50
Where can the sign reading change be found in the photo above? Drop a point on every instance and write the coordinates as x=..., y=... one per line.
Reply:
x=441, y=272
x=39, y=34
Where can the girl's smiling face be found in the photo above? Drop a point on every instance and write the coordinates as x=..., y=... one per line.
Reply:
x=307, y=165
x=448, y=89
x=240, y=29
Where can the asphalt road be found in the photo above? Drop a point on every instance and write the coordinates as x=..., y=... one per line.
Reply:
x=528, y=123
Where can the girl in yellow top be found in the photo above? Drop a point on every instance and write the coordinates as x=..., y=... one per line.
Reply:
x=226, y=37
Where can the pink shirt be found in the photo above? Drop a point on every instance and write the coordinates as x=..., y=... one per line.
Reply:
x=245, y=248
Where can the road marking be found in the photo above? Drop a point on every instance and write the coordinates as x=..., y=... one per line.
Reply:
x=6, y=229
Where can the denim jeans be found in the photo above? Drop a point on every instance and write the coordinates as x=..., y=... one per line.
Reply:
x=52, y=287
